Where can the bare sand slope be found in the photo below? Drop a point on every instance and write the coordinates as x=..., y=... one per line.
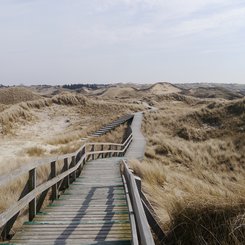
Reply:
x=50, y=122
x=163, y=88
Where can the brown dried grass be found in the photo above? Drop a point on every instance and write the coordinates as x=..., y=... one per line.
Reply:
x=196, y=182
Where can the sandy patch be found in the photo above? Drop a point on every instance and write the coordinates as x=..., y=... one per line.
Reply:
x=50, y=122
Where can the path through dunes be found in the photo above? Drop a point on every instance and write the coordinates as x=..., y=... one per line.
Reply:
x=93, y=209
x=137, y=148
x=96, y=208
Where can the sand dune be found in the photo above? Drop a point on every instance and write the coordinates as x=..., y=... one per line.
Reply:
x=15, y=95
x=163, y=88
x=213, y=92
x=120, y=92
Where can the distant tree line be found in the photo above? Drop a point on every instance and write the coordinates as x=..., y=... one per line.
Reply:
x=84, y=85
x=3, y=86
x=80, y=85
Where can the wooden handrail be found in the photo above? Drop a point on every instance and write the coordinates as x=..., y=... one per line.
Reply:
x=144, y=232
x=27, y=167
x=38, y=163
x=128, y=141
x=102, y=143
x=106, y=143
x=134, y=240
x=10, y=212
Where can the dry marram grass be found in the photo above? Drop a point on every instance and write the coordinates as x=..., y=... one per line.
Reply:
x=194, y=170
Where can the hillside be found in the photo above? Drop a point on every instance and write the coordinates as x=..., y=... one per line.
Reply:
x=13, y=95
x=213, y=92
x=53, y=125
x=194, y=170
x=120, y=92
x=163, y=88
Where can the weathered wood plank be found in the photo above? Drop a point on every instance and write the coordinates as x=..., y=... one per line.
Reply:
x=96, y=208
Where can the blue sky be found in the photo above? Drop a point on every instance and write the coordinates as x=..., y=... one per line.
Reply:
x=61, y=41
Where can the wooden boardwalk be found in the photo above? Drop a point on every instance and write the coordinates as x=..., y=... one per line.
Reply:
x=92, y=211
x=137, y=148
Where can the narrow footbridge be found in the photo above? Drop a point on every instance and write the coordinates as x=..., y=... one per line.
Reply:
x=95, y=198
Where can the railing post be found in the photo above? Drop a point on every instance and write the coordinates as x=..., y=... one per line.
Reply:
x=92, y=149
x=32, y=186
x=138, y=184
x=122, y=153
x=73, y=164
x=102, y=148
x=67, y=178
x=115, y=154
x=77, y=160
x=109, y=154
x=54, y=194
x=84, y=153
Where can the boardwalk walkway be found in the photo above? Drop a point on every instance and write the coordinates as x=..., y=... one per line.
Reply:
x=137, y=148
x=93, y=210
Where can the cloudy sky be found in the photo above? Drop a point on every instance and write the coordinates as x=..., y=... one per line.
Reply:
x=60, y=41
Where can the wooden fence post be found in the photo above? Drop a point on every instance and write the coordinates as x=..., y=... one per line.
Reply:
x=74, y=174
x=102, y=148
x=54, y=194
x=32, y=186
x=92, y=149
x=84, y=153
x=115, y=154
x=138, y=184
x=109, y=154
x=122, y=153
x=67, y=178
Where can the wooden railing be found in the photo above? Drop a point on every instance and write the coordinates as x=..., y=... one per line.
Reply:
x=140, y=229
x=33, y=195
x=107, y=149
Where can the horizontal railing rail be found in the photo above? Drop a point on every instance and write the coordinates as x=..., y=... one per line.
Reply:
x=119, y=149
x=144, y=235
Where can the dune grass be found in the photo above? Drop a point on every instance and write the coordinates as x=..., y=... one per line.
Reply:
x=35, y=151
x=195, y=179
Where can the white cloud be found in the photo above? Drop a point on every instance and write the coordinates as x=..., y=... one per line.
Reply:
x=168, y=19
x=219, y=23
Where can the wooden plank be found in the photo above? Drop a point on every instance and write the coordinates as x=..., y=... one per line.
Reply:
x=90, y=214
x=75, y=242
